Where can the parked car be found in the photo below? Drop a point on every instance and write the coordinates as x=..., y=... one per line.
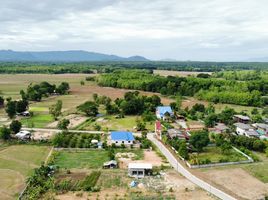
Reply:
x=23, y=135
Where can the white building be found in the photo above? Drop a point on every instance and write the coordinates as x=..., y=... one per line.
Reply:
x=139, y=170
x=246, y=129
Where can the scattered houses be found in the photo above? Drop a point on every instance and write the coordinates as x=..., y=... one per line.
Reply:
x=175, y=133
x=139, y=170
x=121, y=137
x=242, y=119
x=246, y=129
x=261, y=128
x=164, y=112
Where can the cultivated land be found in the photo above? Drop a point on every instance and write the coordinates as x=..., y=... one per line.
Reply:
x=178, y=73
x=11, y=84
x=16, y=164
x=114, y=183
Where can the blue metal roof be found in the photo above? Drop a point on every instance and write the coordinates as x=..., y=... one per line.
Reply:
x=164, y=109
x=122, y=135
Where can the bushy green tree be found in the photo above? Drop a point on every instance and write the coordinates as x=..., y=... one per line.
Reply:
x=55, y=110
x=90, y=108
x=15, y=126
x=199, y=140
x=11, y=108
x=183, y=151
x=63, y=124
x=4, y=133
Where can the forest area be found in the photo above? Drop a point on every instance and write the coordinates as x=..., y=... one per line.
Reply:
x=216, y=90
x=107, y=67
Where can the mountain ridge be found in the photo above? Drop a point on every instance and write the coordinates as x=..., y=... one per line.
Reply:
x=63, y=56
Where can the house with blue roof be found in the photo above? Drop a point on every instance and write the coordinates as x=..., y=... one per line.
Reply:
x=163, y=111
x=121, y=137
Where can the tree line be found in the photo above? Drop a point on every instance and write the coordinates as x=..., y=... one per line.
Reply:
x=211, y=89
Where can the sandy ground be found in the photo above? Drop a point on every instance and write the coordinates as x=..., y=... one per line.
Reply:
x=75, y=120
x=42, y=135
x=149, y=157
x=238, y=182
x=182, y=189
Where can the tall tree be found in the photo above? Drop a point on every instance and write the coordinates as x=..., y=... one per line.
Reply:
x=199, y=140
x=90, y=108
x=15, y=126
x=55, y=110
x=11, y=108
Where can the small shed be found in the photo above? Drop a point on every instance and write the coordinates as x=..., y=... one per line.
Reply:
x=139, y=170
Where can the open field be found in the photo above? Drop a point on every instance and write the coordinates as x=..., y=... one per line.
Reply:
x=178, y=73
x=16, y=163
x=236, y=181
x=83, y=159
x=11, y=84
x=114, y=184
x=214, y=155
x=112, y=123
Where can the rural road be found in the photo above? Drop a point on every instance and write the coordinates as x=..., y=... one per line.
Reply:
x=58, y=130
x=70, y=131
x=177, y=166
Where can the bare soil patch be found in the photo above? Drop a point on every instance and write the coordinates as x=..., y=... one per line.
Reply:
x=239, y=182
x=149, y=157
x=42, y=135
x=75, y=120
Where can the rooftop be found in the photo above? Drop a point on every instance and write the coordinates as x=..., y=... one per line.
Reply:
x=122, y=136
x=164, y=109
x=252, y=133
x=243, y=117
x=243, y=126
x=261, y=125
x=140, y=166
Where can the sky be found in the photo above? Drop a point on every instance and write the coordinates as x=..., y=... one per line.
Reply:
x=204, y=30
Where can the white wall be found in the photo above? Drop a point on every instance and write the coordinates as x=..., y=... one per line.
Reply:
x=119, y=142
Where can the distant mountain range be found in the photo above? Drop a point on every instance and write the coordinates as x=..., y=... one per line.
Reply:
x=62, y=56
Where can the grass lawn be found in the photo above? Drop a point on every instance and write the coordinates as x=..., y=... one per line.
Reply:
x=214, y=155
x=16, y=163
x=91, y=159
x=39, y=120
x=259, y=169
x=111, y=123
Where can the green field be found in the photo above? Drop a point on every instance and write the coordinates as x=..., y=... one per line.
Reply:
x=16, y=163
x=259, y=169
x=91, y=159
x=39, y=120
x=214, y=155
x=111, y=123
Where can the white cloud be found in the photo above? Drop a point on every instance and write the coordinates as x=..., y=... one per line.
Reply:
x=192, y=29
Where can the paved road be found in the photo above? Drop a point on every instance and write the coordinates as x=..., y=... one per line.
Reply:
x=177, y=166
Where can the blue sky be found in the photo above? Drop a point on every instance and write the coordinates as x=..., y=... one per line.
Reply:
x=221, y=30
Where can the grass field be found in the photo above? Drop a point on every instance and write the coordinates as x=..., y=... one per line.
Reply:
x=214, y=155
x=91, y=159
x=111, y=123
x=178, y=73
x=259, y=169
x=10, y=86
x=39, y=120
x=16, y=163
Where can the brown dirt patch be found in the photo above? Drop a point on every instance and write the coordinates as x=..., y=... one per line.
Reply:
x=75, y=120
x=149, y=157
x=42, y=135
x=239, y=182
